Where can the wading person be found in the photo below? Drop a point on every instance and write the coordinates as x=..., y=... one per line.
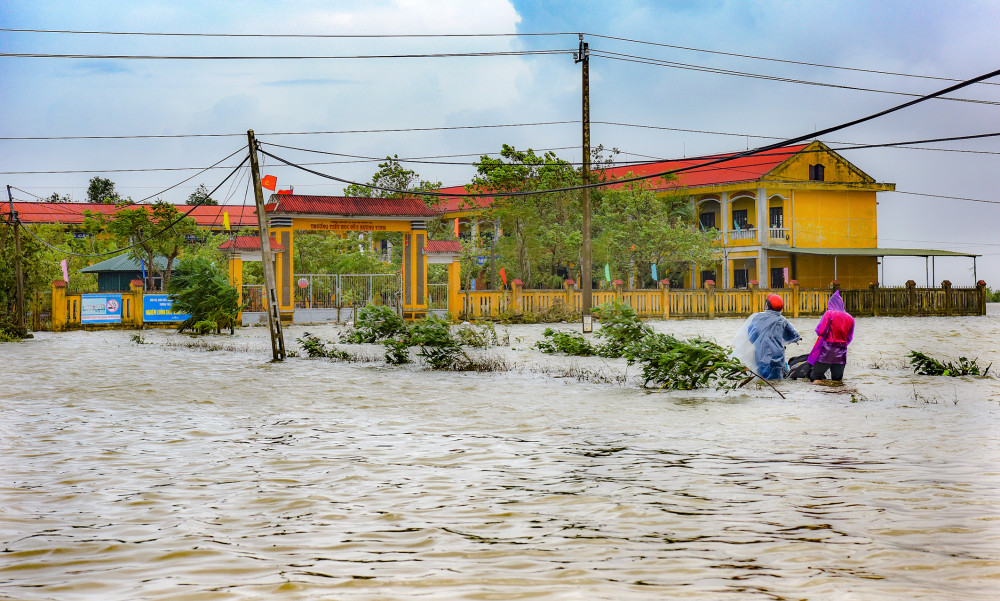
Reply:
x=768, y=333
x=835, y=331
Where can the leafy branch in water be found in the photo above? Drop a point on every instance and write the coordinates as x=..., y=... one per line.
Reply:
x=929, y=366
x=565, y=342
x=376, y=323
x=686, y=364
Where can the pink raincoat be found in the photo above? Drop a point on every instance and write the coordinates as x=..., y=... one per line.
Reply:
x=835, y=331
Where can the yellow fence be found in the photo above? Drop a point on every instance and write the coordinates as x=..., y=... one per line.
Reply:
x=708, y=303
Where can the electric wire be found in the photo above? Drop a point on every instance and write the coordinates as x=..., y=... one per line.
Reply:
x=183, y=181
x=996, y=202
x=295, y=133
x=549, y=52
x=780, y=60
x=153, y=235
x=674, y=65
x=761, y=149
x=293, y=35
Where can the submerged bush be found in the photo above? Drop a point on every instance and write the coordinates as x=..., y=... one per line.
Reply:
x=376, y=323
x=437, y=347
x=620, y=328
x=480, y=336
x=565, y=342
x=9, y=332
x=928, y=366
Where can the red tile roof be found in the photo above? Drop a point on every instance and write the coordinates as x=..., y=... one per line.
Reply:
x=248, y=243
x=745, y=169
x=348, y=206
x=443, y=246
x=72, y=213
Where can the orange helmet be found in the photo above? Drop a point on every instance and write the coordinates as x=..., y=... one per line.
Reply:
x=774, y=302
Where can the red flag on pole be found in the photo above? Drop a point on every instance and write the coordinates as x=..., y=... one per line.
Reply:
x=269, y=182
x=503, y=276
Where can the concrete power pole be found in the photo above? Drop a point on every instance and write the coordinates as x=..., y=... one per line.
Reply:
x=18, y=274
x=583, y=57
x=273, y=317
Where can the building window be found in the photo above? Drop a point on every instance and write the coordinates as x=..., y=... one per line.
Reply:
x=707, y=221
x=741, y=278
x=816, y=173
x=740, y=219
x=777, y=217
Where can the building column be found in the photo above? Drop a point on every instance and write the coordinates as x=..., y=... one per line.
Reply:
x=284, y=267
x=762, y=216
x=763, y=273
x=724, y=209
x=415, y=271
x=454, y=284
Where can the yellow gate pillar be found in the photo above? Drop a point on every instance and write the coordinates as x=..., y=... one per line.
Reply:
x=59, y=306
x=236, y=279
x=415, y=271
x=284, y=267
x=454, y=283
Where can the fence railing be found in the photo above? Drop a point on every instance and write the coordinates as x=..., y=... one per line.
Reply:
x=708, y=303
x=437, y=297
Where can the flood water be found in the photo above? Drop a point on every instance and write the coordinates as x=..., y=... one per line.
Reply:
x=161, y=471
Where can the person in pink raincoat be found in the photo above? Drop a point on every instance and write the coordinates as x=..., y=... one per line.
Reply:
x=835, y=331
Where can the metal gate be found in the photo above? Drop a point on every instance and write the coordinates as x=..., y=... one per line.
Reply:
x=437, y=298
x=333, y=297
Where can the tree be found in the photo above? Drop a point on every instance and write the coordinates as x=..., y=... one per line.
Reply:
x=200, y=197
x=57, y=198
x=541, y=231
x=200, y=289
x=638, y=227
x=102, y=191
x=153, y=231
x=392, y=175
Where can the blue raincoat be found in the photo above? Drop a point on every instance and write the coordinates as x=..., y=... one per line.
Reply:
x=769, y=332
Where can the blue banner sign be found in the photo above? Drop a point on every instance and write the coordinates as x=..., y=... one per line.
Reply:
x=100, y=308
x=156, y=308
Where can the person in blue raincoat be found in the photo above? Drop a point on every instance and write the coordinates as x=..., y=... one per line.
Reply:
x=769, y=332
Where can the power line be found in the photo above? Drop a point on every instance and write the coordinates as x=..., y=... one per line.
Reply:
x=301, y=57
x=766, y=148
x=295, y=133
x=151, y=236
x=674, y=65
x=781, y=60
x=996, y=202
x=291, y=35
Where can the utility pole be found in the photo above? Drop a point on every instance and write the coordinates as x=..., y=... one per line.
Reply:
x=583, y=57
x=18, y=274
x=273, y=317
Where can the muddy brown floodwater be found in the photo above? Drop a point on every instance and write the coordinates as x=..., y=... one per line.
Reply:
x=160, y=471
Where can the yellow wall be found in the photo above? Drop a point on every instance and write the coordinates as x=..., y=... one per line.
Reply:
x=816, y=271
x=834, y=219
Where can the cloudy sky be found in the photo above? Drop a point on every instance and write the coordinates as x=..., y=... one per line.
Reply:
x=52, y=97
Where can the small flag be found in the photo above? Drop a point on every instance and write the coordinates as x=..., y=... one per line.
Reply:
x=65, y=270
x=225, y=220
x=456, y=227
x=655, y=279
x=503, y=276
x=607, y=272
x=269, y=182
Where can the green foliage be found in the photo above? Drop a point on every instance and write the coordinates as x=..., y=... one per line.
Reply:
x=928, y=366
x=397, y=351
x=636, y=226
x=312, y=345
x=102, y=191
x=437, y=347
x=480, y=336
x=201, y=289
x=992, y=296
x=620, y=328
x=375, y=323
x=541, y=232
x=155, y=230
x=9, y=332
x=685, y=364
x=200, y=196
x=327, y=252
x=565, y=342
x=137, y=338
